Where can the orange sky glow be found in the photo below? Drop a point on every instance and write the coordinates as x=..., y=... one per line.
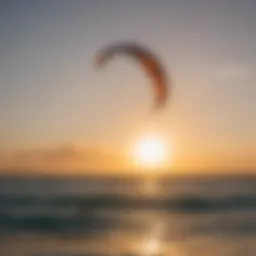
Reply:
x=58, y=115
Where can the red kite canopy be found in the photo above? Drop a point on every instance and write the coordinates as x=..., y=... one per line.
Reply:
x=148, y=61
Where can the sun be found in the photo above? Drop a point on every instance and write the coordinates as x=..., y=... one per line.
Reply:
x=150, y=151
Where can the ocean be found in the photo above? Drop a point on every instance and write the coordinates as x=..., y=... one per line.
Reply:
x=99, y=216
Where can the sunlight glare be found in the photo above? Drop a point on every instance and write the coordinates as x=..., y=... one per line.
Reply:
x=150, y=150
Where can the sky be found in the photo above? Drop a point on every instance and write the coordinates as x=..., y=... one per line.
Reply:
x=57, y=112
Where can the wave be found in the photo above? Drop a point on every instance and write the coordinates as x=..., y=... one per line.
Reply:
x=93, y=214
x=185, y=203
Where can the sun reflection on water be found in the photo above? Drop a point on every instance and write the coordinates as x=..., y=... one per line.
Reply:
x=152, y=245
x=153, y=242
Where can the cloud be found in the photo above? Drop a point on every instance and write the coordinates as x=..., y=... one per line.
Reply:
x=64, y=158
x=234, y=72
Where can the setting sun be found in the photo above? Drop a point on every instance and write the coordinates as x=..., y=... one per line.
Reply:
x=150, y=150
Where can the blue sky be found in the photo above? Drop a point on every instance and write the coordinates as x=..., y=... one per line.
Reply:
x=50, y=94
